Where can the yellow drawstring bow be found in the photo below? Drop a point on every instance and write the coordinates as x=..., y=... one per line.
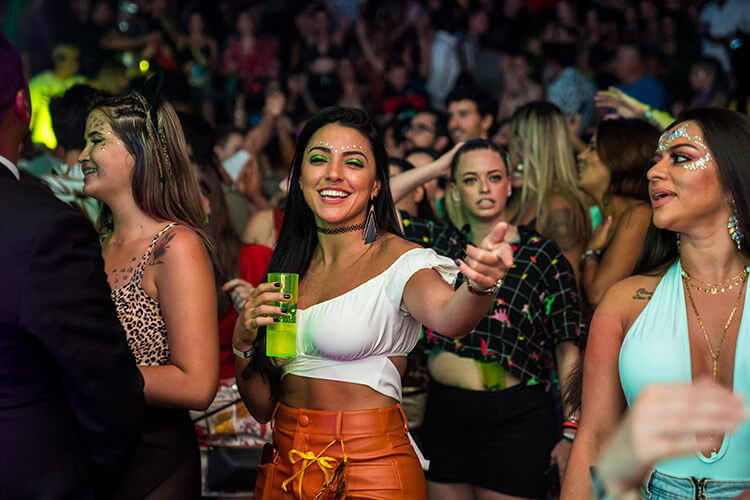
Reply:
x=309, y=458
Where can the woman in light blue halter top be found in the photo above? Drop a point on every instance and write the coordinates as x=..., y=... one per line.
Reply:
x=683, y=317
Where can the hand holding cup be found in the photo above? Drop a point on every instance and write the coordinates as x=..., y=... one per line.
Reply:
x=257, y=313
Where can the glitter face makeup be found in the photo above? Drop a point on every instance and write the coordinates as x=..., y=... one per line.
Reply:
x=336, y=149
x=698, y=164
x=666, y=141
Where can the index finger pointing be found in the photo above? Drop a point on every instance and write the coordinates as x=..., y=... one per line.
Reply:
x=497, y=235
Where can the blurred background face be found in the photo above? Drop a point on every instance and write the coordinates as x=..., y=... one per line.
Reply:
x=398, y=76
x=520, y=67
x=245, y=24
x=320, y=21
x=625, y=63
x=230, y=147
x=502, y=136
x=102, y=14
x=66, y=61
x=464, y=121
x=196, y=23
x=699, y=78
x=593, y=174
x=421, y=132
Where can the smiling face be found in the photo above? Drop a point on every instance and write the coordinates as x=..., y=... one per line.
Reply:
x=684, y=184
x=107, y=165
x=593, y=174
x=465, y=122
x=338, y=176
x=482, y=183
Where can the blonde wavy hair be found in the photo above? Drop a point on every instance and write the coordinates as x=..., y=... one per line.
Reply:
x=539, y=140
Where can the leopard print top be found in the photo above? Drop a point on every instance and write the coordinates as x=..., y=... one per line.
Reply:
x=140, y=316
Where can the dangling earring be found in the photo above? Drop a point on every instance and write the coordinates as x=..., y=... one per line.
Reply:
x=678, y=242
x=455, y=197
x=735, y=231
x=370, y=233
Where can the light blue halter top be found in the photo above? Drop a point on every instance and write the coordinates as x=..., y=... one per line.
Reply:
x=657, y=349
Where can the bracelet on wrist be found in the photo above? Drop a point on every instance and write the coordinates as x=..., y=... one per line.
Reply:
x=593, y=254
x=472, y=287
x=243, y=354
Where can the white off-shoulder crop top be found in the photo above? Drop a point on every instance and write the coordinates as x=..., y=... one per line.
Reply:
x=350, y=337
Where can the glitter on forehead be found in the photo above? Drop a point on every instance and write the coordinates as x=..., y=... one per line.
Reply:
x=666, y=139
x=336, y=149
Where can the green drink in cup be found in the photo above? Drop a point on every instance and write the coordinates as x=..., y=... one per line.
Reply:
x=281, y=335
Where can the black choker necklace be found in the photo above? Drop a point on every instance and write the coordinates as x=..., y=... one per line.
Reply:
x=340, y=230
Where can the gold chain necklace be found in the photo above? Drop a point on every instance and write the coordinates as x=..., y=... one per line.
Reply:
x=713, y=289
x=715, y=355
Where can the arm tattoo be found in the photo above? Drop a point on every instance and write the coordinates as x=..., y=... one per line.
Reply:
x=642, y=294
x=559, y=227
x=160, y=250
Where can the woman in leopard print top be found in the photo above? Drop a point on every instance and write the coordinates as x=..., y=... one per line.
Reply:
x=155, y=256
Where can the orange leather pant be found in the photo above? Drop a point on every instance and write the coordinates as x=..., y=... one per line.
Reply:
x=363, y=454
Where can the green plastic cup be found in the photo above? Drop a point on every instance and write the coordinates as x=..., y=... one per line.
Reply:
x=281, y=336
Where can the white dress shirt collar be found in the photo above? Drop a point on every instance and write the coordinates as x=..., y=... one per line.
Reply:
x=13, y=169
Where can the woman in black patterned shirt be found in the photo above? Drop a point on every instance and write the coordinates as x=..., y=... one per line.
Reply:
x=490, y=426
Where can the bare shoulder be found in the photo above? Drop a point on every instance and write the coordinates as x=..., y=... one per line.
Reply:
x=262, y=217
x=259, y=227
x=627, y=298
x=638, y=212
x=393, y=247
x=177, y=244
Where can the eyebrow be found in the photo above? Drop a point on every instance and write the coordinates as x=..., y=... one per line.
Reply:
x=681, y=144
x=490, y=172
x=327, y=150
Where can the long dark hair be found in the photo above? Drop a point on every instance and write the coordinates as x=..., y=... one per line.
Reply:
x=298, y=236
x=625, y=146
x=227, y=244
x=727, y=135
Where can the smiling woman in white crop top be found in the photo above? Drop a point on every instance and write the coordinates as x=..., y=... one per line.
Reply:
x=684, y=318
x=337, y=422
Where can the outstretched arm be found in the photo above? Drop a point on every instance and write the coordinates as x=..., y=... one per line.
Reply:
x=436, y=305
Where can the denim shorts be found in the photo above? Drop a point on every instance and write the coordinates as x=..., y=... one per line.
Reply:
x=661, y=486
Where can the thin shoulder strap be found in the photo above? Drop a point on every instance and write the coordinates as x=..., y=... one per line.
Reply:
x=138, y=275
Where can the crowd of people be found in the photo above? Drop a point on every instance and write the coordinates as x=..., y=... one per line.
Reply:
x=520, y=228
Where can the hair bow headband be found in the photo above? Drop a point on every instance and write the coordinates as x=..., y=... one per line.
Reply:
x=150, y=95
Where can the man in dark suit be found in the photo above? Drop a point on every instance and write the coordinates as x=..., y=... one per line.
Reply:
x=71, y=396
